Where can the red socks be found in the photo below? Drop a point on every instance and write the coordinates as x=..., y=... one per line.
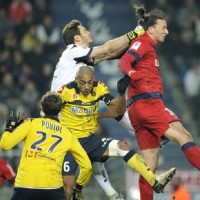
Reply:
x=146, y=191
x=192, y=153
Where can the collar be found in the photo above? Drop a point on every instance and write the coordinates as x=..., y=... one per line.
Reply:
x=52, y=117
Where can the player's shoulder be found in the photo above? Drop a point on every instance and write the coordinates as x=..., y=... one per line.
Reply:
x=70, y=85
x=99, y=84
x=75, y=48
x=141, y=43
x=67, y=88
x=101, y=87
x=27, y=120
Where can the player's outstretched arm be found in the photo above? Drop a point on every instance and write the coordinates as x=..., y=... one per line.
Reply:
x=15, y=131
x=83, y=161
x=116, y=47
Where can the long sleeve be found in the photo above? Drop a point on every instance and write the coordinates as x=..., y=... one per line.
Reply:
x=125, y=63
x=83, y=161
x=9, y=140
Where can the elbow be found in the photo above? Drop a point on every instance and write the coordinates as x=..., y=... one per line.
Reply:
x=5, y=144
x=89, y=168
x=5, y=147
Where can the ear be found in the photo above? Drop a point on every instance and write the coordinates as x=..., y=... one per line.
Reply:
x=151, y=29
x=77, y=38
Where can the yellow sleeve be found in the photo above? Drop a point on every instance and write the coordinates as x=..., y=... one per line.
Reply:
x=83, y=161
x=11, y=139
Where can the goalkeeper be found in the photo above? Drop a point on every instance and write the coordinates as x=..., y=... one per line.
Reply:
x=45, y=143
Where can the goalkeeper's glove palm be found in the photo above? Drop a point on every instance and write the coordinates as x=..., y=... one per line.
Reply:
x=135, y=33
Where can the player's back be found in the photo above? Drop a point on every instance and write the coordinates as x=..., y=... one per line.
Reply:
x=43, y=152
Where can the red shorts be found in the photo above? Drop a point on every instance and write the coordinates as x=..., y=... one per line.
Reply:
x=150, y=119
x=6, y=171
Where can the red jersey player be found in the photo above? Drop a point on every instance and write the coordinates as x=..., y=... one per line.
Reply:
x=150, y=118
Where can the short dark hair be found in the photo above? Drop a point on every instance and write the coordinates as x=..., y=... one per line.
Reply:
x=148, y=19
x=51, y=103
x=70, y=30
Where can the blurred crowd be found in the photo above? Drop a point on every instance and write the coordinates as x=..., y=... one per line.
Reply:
x=29, y=40
x=30, y=44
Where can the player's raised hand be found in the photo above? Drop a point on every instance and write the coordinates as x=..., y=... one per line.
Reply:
x=135, y=33
x=13, y=121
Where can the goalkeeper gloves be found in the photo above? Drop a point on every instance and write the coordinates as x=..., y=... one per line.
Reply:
x=13, y=121
x=77, y=193
x=122, y=84
x=135, y=75
x=135, y=33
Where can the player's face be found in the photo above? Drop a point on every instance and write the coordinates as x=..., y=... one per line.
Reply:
x=86, y=37
x=159, y=31
x=85, y=83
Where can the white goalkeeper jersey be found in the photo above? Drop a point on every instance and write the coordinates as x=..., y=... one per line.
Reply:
x=72, y=58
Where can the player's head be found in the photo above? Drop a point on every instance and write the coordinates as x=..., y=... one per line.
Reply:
x=51, y=103
x=154, y=22
x=75, y=33
x=85, y=79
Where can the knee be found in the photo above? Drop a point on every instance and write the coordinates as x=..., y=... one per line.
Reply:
x=186, y=137
x=123, y=145
x=118, y=148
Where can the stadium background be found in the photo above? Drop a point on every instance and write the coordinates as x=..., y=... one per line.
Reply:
x=28, y=58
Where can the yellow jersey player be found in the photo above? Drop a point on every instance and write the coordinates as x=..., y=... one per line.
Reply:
x=79, y=114
x=45, y=143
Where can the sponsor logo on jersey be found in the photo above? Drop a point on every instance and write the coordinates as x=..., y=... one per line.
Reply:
x=136, y=45
x=76, y=110
x=75, y=96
